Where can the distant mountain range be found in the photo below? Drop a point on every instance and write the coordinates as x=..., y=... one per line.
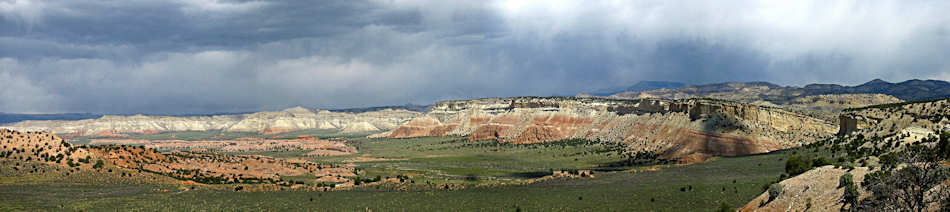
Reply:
x=907, y=90
x=13, y=117
x=416, y=108
x=6, y=118
x=291, y=119
x=639, y=86
x=739, y=91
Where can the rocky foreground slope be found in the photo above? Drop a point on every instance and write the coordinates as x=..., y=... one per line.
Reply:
x=873, y=133
x=686, y=130
x=815, y=190
x=925, y=117
x=292, y=119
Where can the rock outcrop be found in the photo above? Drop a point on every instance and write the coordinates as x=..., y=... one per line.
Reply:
x=292, y=119
x=890, y=119
x=839, y=102
x=814, y=190
x=822, y=104
x=687, y=130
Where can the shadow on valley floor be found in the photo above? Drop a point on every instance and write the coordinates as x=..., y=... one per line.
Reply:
x=528, y=175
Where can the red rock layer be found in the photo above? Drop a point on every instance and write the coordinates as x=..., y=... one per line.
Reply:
x=687, y=130
x=271, y=131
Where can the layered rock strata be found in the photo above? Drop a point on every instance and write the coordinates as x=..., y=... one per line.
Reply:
x=890, y=119
x=677, y=129
x=292, y=119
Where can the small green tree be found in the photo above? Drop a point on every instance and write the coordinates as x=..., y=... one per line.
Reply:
x=943, y=145
x=914, y=187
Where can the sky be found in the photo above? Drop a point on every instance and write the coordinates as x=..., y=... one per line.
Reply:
x=208, y=56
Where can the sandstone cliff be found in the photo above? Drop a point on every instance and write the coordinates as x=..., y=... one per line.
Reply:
x=687, y=130
x=292, y=119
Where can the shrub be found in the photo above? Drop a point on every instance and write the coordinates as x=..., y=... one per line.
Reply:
x=845, y=180
x=807, y=204
x=850, y=195
x=820, y=161
x=98, y=165
x=796, y=165
x=725, y=207
x=943, y=145
x=774, y=190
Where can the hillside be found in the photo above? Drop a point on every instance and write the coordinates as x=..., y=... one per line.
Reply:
x=298, y=118
x=409, y=107
x=685, y=130
x=832, y=99
x=764, y=91
x=29, y=148
x=815, y=190
x=890, y=119
x=639, y=86
x=888, y=149
x=40, y=147
x=907, y=90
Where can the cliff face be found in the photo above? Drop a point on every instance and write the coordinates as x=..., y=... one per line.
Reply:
x=890, y=119
x=677, y=129
x=262, y=122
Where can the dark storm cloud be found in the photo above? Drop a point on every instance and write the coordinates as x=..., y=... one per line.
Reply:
x=191, y=25
x=195, y=56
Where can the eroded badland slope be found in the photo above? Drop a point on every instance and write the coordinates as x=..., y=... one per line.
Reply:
x=686, y=130
x=292, y=119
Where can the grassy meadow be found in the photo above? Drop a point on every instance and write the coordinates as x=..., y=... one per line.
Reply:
x=735, y=180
